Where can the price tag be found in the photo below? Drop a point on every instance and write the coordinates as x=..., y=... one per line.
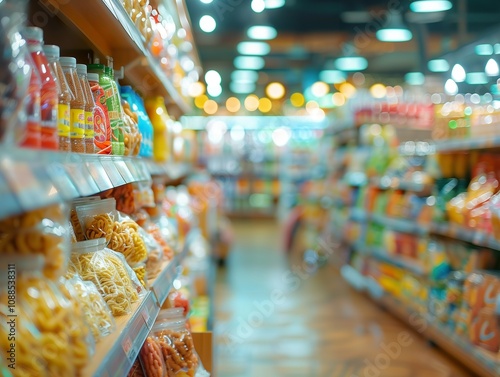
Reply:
x=146, y=316
x=133, y=170
x=121, y=166
x=10, y=205
x=127, y=345
x=81, y=179
x=62, y=181
x=99, y=174
x=143, y=170
x=112, y=172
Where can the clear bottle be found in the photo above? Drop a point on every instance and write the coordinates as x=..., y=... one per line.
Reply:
x=31, y=135
x=81, y=69
x=49, y=95
x=65, y=97
x=77, y=123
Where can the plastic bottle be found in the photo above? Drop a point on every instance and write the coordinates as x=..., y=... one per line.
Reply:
x=81, y=70
x=77, y=123
x=49, y=94
x=158, y=115
x=113, y=105
x=116, y=93
x=31, y=135
x=65, y=96
x=102, y=127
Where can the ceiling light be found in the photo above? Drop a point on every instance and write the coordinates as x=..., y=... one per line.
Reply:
x=476, y=78
x=458, y=73
x=207, y=24
x=233, y=104
x=484, y=49
x=274, y=4
x=425, y=6
x=438, y=65
x=262, y=32
x=281, y=136
x=265, y=105
x=249, y=62
x=244, y=76
x=251, y=102
x=210, y=107
x=378, y=91
x=212, y=77
x=497, y=48
x=297, y=99
x=242, y=87
x=196, y=89
x=332, y=76
x=415, y=78
x=206, y=1
x=214, y=90
x=275, y=90
x=320, y=89
x=253, y=48
x=351, y=63
x=451, y=87
x=258, y=6
x=394, y=30
x=491, y=68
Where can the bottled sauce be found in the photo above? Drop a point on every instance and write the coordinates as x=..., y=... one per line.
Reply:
x=77, y=112
x=158, y=115
x=81, y=69
x=102, y=127
x=65, y=96
x=113, y=106
x=48, y=93
x=31, y=135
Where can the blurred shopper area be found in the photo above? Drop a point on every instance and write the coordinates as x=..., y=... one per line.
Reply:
x=261, y=188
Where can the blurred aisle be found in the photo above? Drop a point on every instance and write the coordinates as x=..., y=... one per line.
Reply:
x=272, y=322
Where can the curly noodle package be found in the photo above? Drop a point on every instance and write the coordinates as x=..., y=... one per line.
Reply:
x=177, y=348
x=42, y=232
x=75, y=223
x=108, y=272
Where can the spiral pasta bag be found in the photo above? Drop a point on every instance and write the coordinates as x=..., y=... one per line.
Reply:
x=97, y=218
x=151, y=358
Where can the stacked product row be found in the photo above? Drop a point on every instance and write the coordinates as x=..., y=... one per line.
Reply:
x=69, y=274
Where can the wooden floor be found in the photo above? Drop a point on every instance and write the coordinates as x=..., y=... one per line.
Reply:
x=271, y=322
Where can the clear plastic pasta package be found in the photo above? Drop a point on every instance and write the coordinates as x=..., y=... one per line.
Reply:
x=102, y=220
x=103, y=267
x=76, y=226
x=98, y=316
x=50, y=313
x=43, y=231
x=81, y=338
x=27, y=339
x=177, y=348
x=141, y=273
x=156, y=258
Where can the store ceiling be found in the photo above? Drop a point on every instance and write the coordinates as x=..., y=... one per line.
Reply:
x=312, y=33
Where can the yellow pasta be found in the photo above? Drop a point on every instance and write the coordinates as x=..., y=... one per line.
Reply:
x=100, y=226
x=140, y=272
x=107, y=272
x=51, y=315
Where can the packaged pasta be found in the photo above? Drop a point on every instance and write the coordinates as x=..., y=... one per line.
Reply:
x=155, y=259
x=151, y=357
x=101, y=220
x=51, y=313
x=136, y=370
x=42, y=231
x=81, y=338
x=27, y=339
x=140, y=289
x=176, y=344
x=141, y=273
x=106, y=270
x=76, y=226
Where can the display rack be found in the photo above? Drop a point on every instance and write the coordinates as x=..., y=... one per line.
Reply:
x=34, y=179
x=108, y=27
x=116, y=353
x=480, y=362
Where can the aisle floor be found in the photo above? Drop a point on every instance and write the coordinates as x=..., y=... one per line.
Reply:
x=273, y=322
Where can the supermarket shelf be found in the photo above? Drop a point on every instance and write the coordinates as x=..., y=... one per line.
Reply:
x=480, y=362
x=173, y=170
x=399, y=225
x=467, y=235
x=452, y=145
x=116, y=353
x=31, y=179
x=106, y=24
